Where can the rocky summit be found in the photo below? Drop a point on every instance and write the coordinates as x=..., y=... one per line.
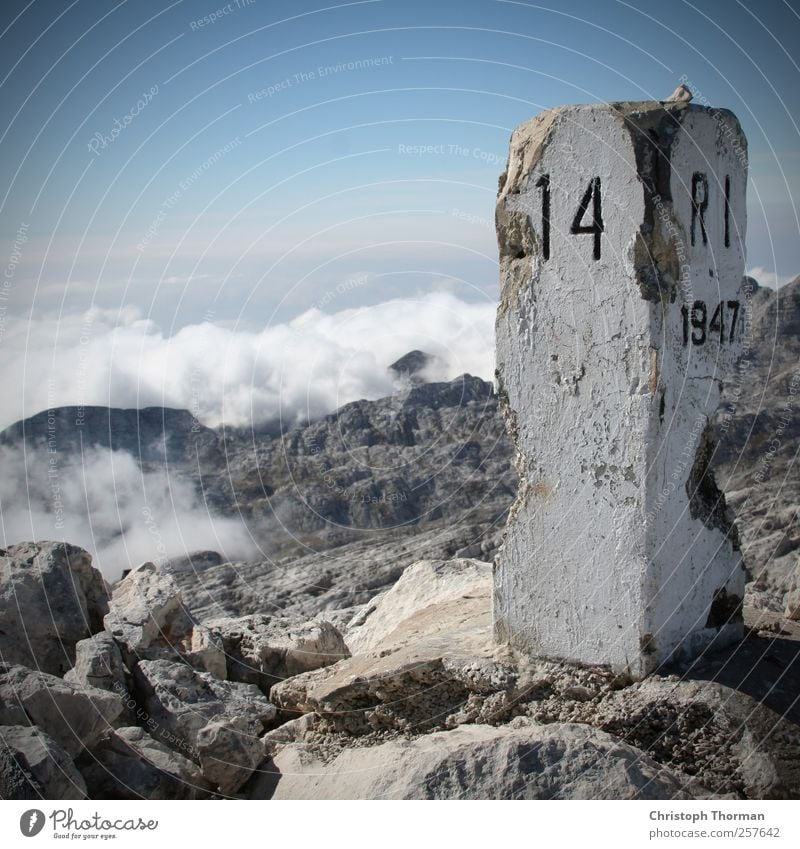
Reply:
x=355, y=658
x=405, y=697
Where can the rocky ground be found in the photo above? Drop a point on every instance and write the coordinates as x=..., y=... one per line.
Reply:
x=414, y=462
x=758, y=428
x=447, y=444
x=131, y=695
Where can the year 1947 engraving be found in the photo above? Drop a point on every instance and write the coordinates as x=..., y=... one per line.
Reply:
x=697, y=329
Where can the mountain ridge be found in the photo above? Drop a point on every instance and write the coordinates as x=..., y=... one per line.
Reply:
x=434, y=457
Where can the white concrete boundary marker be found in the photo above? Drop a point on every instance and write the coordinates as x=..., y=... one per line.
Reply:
x=621, y=232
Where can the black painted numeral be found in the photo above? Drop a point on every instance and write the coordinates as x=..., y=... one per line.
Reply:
x=543, y=183
x=592, y=194
x=717, y=324
x=733, y=306
x=727, y=210
x=593, y=197
x=697, y=318
x=697, y=328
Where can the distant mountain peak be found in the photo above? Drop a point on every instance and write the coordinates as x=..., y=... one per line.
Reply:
x=412, y=364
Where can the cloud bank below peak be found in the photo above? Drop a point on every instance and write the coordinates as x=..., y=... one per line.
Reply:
x=297, y=370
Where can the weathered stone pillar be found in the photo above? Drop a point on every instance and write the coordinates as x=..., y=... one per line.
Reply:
x=621, y=233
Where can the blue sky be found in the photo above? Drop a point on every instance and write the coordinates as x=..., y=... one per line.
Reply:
x=240, y=169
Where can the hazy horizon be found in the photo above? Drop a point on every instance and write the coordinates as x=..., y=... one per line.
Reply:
x=250, y=209
x=235, y=163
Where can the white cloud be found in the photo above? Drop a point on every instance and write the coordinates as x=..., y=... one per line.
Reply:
x=108, y=506
x=300, y=369
x=769, y=278
x=304, y=368
x=184, y=280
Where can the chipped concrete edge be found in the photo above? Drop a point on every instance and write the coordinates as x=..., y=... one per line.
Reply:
x=517, y=241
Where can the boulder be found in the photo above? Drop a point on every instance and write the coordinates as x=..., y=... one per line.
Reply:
x=148, y=619
x=194, y=561
x=421, y=585
x=142, y=605
x=730, y=742
x=130, y=764
x=792, y=607
x=34, y=766
x=262, y=649
x=293, y=731
x=50, y=598
x=74, y=716
x=229, y=749
x=438, y=652
x=219, y=724
x=98, y=663
x=522, y=760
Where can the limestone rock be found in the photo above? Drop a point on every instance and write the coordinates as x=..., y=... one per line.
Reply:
x=438, y=670
x=520, y=761
x=732, y=744
x=218, y=724
x=682, y=94
x=758, y=431
x=204, y=651
x=396, y=464
x=130, y=764
x=377, y=486
x=98, y=663
x=439, y=651
x=422, y=585
x=142, y=605
x=194, y=561
x=229, y=750
x=50, y=598
x=792, y=609
x=34, y=766
x=74, y=716
x=151, y=434
x=293, y=731
x=348, y=576
x=147, y=618
x=262, y=650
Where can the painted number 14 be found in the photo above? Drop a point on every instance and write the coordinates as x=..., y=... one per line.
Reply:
x=591, y=203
